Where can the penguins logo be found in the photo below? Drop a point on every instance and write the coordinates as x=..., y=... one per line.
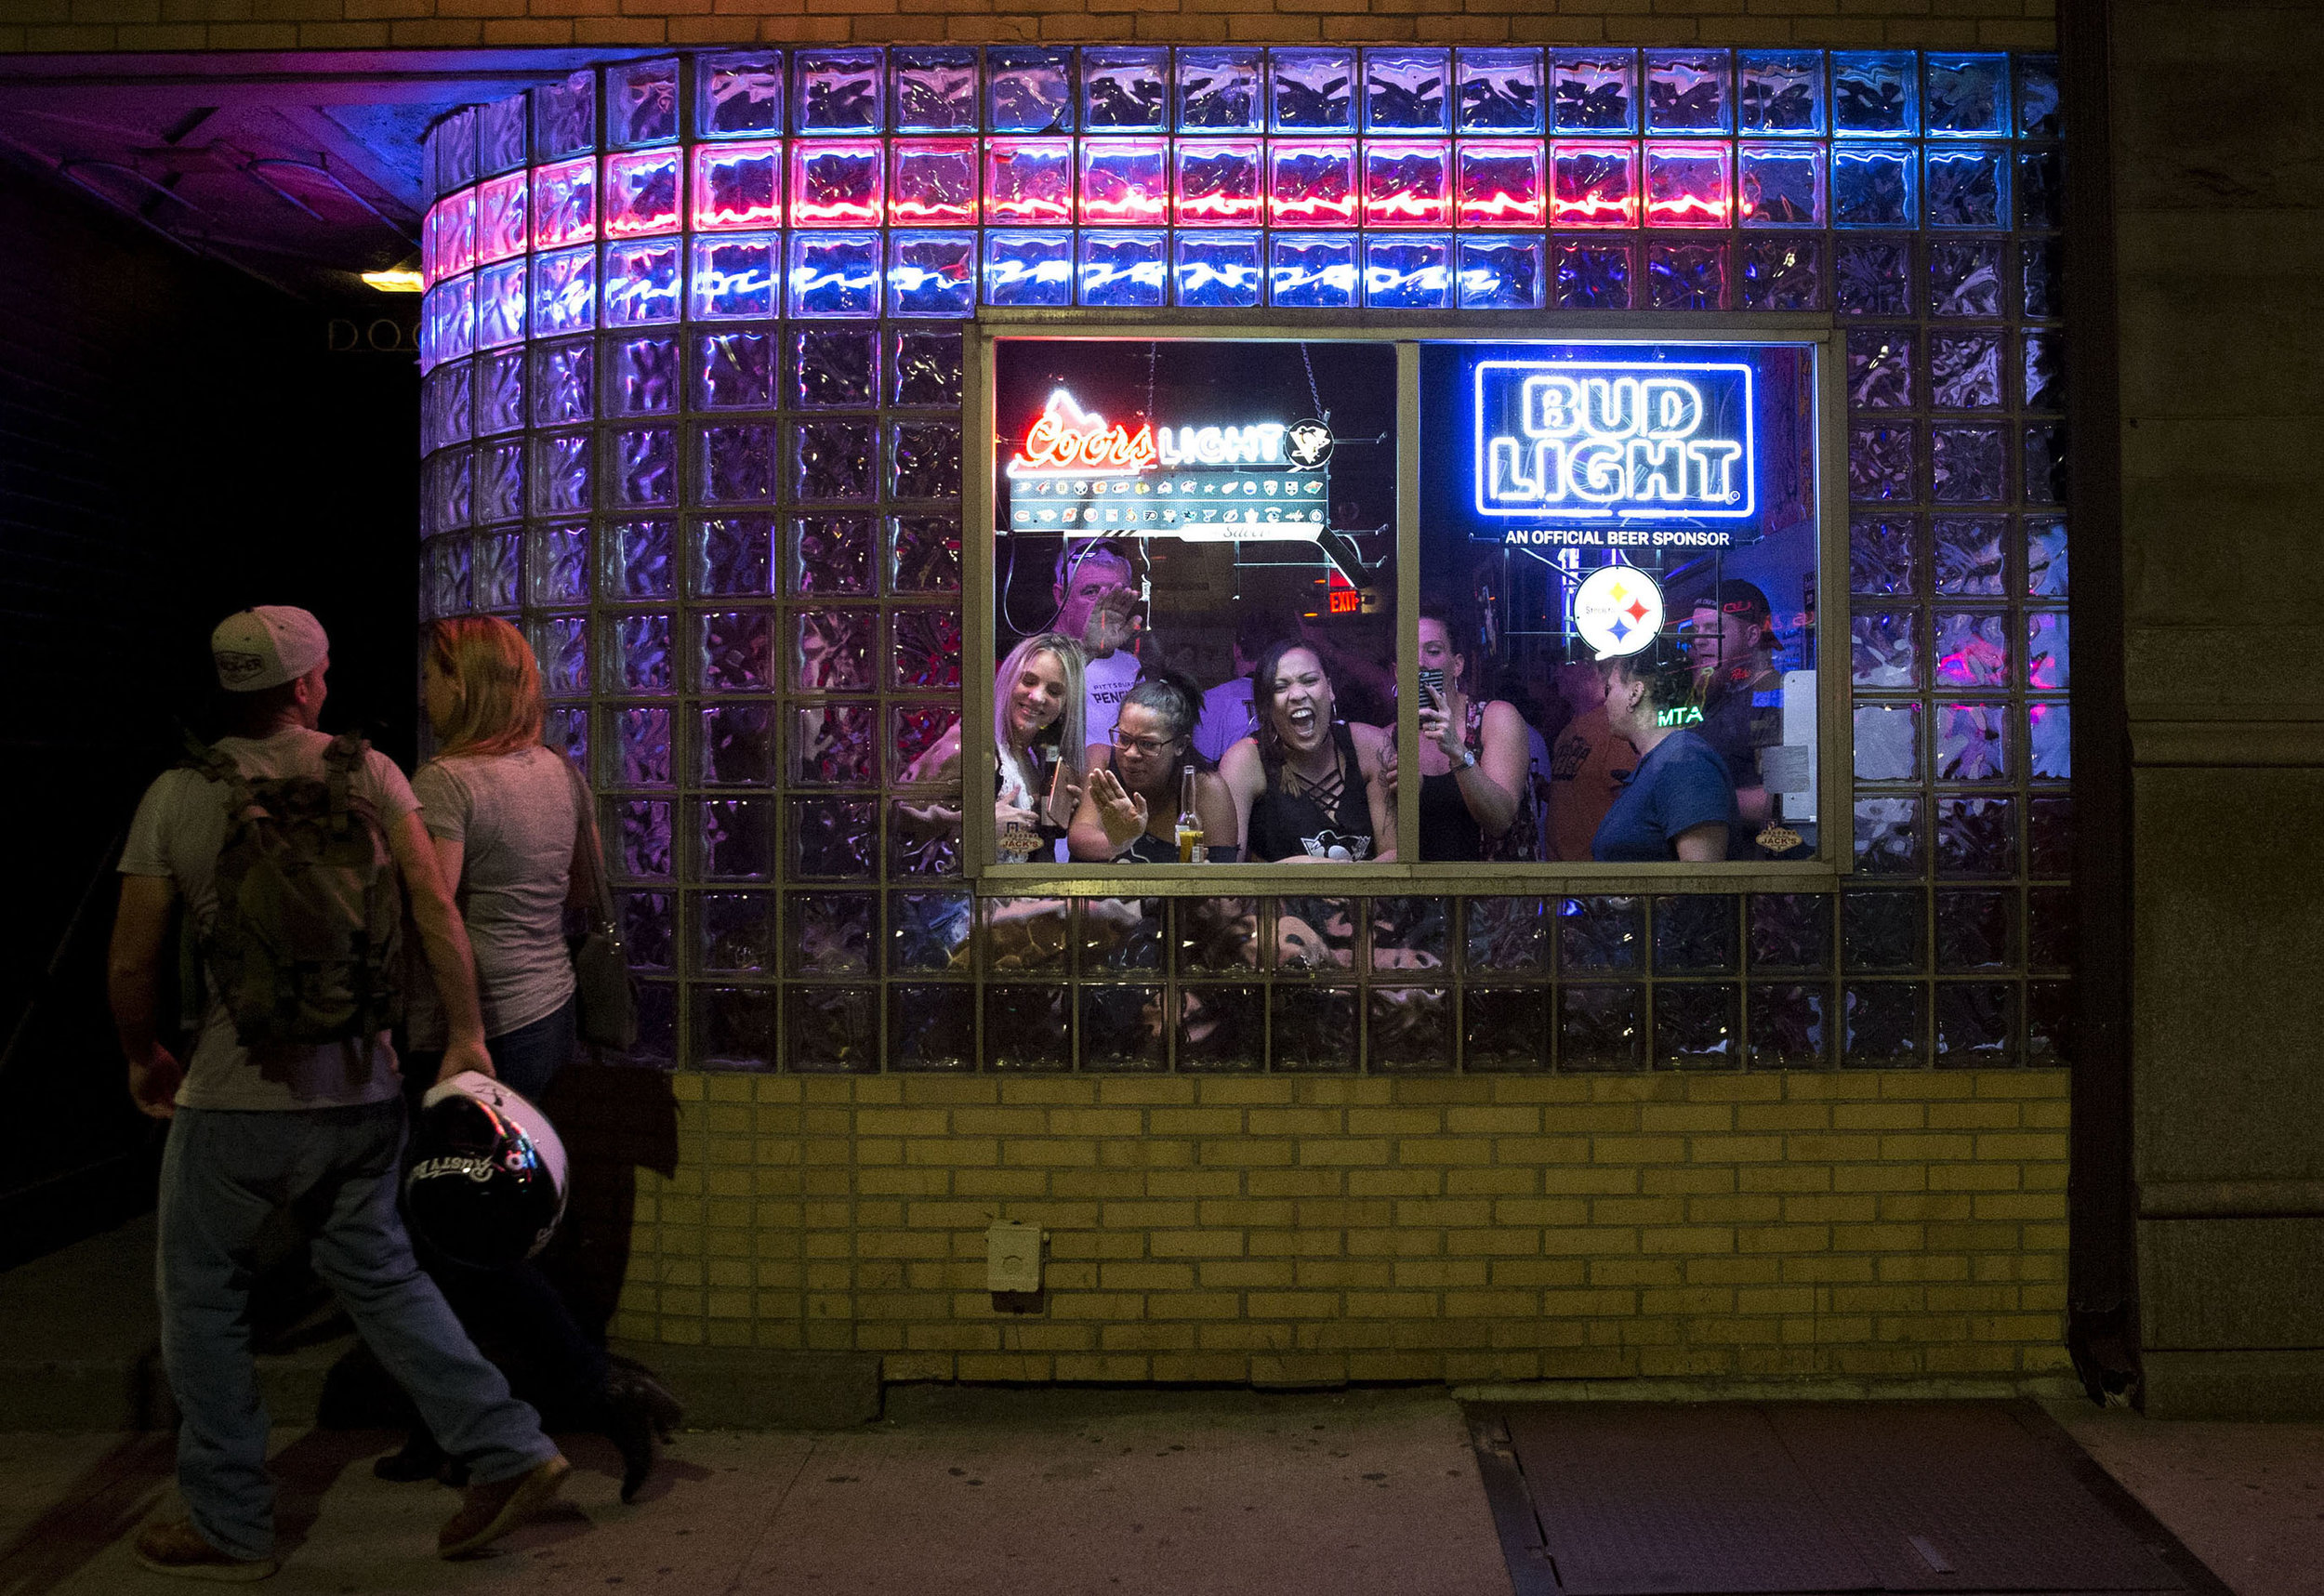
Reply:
x=1310, y=444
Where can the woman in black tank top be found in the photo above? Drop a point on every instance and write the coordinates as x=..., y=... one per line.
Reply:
x=1306, y=784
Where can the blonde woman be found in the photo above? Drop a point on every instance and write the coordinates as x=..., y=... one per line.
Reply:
x=1040, y=764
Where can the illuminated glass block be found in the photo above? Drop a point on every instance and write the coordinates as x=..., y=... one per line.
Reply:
x=835, y=274
x=1028, y=180
x=501, y=145
x=563, y=481
x=1023, y=268
x=1029, y=88
x=1501, y=274
x=934, y=88
x=1783, y=274
x=565, y=292
x=1218, y=270
x=1688, y=185
x=641, y=193
x=1967, y=187
x=734, y=369
x=836, y=182
x=1121, y=268
x=1592, y=276
x=1966, y=96
x=452, y=151
x=1873, y=277
x=1873, y=187
x=1310, y=91
x=1217, y=89
x=500, y=392
x=645, y=467
x=933, y=181
x=1686, y=92
x=564, y=204
x=1125, y=88
x=1311, y=271
x=837, y=91
x=642, y=376
x=1499, y=182
x=1593, y=183
x=1407, y=273
x=1405, y=183
x=738, y=185
x=1124, y=180
x=1875, y=93
x=735, y=277
x=564, y=117
x=642, y=282
x=448, y=322
x=2037, y=97
x=1217, y=181
x=500, y=230
x=500, y=305
x=1497, y=90
x=739, y=95
x=1782, y=185
x=640, y=104
x=1782, y=91
x=1311, y=180
x=931, y=274
x=454, y=222
x=1404, y=88
x=1687, y=276
x=1594, y=90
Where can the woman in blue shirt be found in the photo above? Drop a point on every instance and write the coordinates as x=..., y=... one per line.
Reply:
x=1679, y=802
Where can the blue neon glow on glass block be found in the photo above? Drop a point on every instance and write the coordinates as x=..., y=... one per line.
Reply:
x=500, y=305
x=2037, y=98
x=1024, y=267
x=1872, y=188
x=1875, y=94
x=835, y=274
x=1312, y=270
x=931, y=274
x=1122, y=268
x=1501, y=274
x=1782, y=185
x=1404, y=88
x=1781, y=91
x=642, y=282
x=1310, y=91
x=1499, y=90
x=934, y=88
x=1407, y=273
x=739, y=95
x=565, y=292
x=1966, y=96
x=1029, y=88
x=1218, y=89
x=735, y=277
x=1968, y=186
x=1125, y=88
x=1218, y=270
x=837, y=90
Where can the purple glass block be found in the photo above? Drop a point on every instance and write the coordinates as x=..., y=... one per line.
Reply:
x=648, y=933
x=1873, y=276
x=735, y=277
x=1218, y=270
x=831, y=650
x=734, y=465
x=645, y=467
x=1028, y=268
x=1497, y=90
x=1882, y=560
x=2050, y=742
x=737, y=744
x=564, y=117
x=2048, y=664
x=925, y=366
x=1407, y=273
x=453, y=144
x=500, y=482
x=1972, y=742
x=1503, y=274
x=1122, y=269
x=642, y=282
x=564, y=204
x=1312, y=270
x=1601, y=1029
x=565, y=292
x=1966, y=95
x=2037, y=98
x=557, y=566
x=500, y=136
x=737, y=838
x=500, y=305
x=448, y=589
x=1887, y=743
x=733, y=556
x=1965, y=371
x=1403, y=89
x=642, y=747
x=918, y=728
x=837, y=91
x=934, y=88
x=1970, y=650
x=563, y=477
x=837, y=184
x=2043, y=366
x=1976, y=1024
x=448, y=490
x=1968, y=465
x=832, y=838
x=638, y=656
x=832, y=462
x=837, y=744
x=926, y=648
x=1687, y=276
x=1976, y=836
x=1217, y=89
x=561, y=645
x=446, y=414
x=1783, y=274
x=642, y=852
x=640, y=104
x=638, y=562
x=926, y=554
x=1880, y=368
x=931, y=274
x=829, y=554
x=833, y=367
x=1875, y=93
x=500, y=392
x=1312, y=90
x=735, y=934
x=1968, y=187
x=735, y=651
x=924, y=461
x=739, y=95
x=562, y=389
x=1592, y=276
x=1124, y=88
x=1975, y=929
x=1888, y=836
x=1594, y=90
x=1880, y=463
x=1965, y=278
x=2046, y=465
x=1872, y=186
x=734, y=370
x=835, y=274
x=1686, y=92
x=1029, y=88
x=829, y=934
x=1781, y=91
x=2046, y=573
x=1971, y=554
x=1884, y=649
x=1782, y=185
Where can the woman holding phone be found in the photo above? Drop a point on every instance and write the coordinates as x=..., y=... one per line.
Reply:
x=1474, y=758
x=1039, y=759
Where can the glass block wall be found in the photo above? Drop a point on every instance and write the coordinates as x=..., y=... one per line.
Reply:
x=691, y=348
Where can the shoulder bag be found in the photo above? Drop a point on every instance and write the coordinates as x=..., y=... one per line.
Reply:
x=608, y=1003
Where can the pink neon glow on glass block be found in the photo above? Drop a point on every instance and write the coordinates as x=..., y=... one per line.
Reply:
x=641, y=193
x=450, y=235
x=564, y=204
x=1124, y=180
x=835, y=180
x=1689, y=185
x=1217, y=181
x=1594, y=183
x=738, y=185
x=1028, y=180
x=1500, y=182
x=934, y=181
x=1405, y=182
x=499, y=218
x=1312, y=182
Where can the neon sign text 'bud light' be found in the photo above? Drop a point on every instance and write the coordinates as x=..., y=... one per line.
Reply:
x=1644, y=441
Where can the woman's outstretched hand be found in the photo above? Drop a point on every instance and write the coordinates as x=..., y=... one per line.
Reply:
x=1121, y=812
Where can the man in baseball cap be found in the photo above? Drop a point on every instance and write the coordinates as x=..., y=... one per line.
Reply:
x=266, y=647
x=1733, y=640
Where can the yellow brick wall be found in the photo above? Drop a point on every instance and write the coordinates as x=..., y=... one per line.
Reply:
x=1478, y=1228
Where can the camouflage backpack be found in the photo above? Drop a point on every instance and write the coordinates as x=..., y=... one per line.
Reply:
x=306, y=943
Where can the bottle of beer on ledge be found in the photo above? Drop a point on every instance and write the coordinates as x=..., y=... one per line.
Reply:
x=1190, y=839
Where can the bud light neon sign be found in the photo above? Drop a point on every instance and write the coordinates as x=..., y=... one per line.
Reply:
x=1617, y=441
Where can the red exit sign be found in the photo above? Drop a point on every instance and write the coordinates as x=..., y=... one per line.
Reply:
x=1346, y=602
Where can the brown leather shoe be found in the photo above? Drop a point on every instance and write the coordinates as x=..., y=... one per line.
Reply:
x=176, y=1547
x=487, y=1512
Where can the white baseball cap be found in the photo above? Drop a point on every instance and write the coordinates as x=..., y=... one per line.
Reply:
x=266, y=647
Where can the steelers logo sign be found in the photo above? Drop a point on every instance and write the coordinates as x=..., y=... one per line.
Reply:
x=1618, y=610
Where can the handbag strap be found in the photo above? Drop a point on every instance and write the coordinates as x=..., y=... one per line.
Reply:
x=588, y=846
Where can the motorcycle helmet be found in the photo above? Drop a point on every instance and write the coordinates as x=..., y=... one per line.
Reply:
x=487, y=1180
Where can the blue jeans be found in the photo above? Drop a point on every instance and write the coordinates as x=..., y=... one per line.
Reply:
x=223, y=1173
x=529, y=1057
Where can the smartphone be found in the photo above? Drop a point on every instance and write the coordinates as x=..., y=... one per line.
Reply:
x=1431, y=682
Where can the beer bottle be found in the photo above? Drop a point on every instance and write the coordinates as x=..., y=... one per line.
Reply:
x=1190, y=839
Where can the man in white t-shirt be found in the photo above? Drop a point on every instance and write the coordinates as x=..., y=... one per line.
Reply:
x=1096, y=589
x=314, y=1128
x=1226, y=717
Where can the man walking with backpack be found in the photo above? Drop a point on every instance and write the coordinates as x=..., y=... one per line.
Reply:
x=292, y=852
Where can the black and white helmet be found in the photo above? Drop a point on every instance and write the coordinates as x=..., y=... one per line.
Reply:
x=487, y=1181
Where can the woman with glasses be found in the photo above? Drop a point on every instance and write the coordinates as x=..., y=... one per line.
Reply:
x=1129, y=809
